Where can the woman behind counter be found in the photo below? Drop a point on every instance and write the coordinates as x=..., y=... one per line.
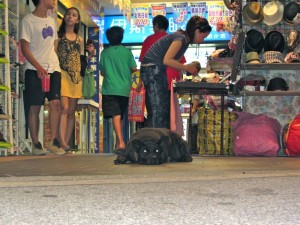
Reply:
x=167, y=52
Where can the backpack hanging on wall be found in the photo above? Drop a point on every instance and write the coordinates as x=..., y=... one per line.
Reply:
x=291, y=137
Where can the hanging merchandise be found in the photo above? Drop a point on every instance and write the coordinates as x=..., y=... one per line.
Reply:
x=136, y=105
x=198, y=9
x=140, y=15
x=215, y=12
x=137, y=100
x=253, y=13
x=158, y=9
x=291, y=13
x=273, y=13
x=180, y=13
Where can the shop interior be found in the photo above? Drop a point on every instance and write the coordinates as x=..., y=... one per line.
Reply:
x=223, y=55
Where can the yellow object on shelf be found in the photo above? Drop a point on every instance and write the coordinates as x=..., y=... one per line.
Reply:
x=3, y=88
x=4, y=144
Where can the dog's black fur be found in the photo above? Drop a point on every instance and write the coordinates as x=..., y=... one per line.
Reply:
x=153, y=146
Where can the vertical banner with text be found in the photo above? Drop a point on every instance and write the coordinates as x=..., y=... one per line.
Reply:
x=198, y=9
x=94, y=34
x=158, y=9
x=140, y=15
x=180, y=13
x=215, y=12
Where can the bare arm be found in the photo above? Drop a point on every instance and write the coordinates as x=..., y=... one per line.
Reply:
x=56, y=44
x=171, y=62
x=29, y=56
x=90, y=48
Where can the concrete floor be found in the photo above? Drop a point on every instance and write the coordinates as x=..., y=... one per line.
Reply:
x=90, y=189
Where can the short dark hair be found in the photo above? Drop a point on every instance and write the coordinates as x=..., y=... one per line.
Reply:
x=35, y=2
x=114, y=35
x=161, y=21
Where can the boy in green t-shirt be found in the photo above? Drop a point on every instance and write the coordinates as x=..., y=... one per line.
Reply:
x=116, y=65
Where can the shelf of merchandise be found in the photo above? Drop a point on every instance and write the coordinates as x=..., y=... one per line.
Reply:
x=13, y=17
x=5, y=101
x=9, y=75
x=86, y=119
x=220, y=64
x=270, y=93
x=273, y=66
x=281, y=105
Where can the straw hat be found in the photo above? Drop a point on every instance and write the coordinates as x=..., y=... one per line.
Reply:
x=292, y=40
x=252, y=58
x=253, y=13
x=273, y=12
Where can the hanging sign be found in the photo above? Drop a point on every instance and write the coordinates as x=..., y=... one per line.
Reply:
x=140, y=15
x=215, y=12
x=198, y=9
x=180, y=13
x=158, y=9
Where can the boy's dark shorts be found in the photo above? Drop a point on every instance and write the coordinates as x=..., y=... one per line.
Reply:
x=113, y=105
x=33, y=88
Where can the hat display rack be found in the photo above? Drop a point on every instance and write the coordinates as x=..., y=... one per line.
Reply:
x=272, y=33
x=231, y=63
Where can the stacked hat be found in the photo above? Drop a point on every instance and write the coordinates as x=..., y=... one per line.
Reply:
x=292, y=57
x=277, y=84
x=252, y=57
x=273, y=57
x=274, y=41
x=253, y=13
x=273, y=13
x=293, y=41
x=274, y=46
x=254, y=41
x=291, y=14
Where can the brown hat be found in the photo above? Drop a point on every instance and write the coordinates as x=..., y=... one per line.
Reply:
x=292, y=40
x=253, y=13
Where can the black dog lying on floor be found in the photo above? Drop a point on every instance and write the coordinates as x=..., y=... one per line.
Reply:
x=153, y=146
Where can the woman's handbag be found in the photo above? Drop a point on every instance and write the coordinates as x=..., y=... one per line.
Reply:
x=88, y=85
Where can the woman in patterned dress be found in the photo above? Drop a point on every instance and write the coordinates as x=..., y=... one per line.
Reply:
x=69, y=48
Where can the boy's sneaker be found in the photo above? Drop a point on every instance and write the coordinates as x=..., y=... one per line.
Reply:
x=38, y=149
x=56, y=148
